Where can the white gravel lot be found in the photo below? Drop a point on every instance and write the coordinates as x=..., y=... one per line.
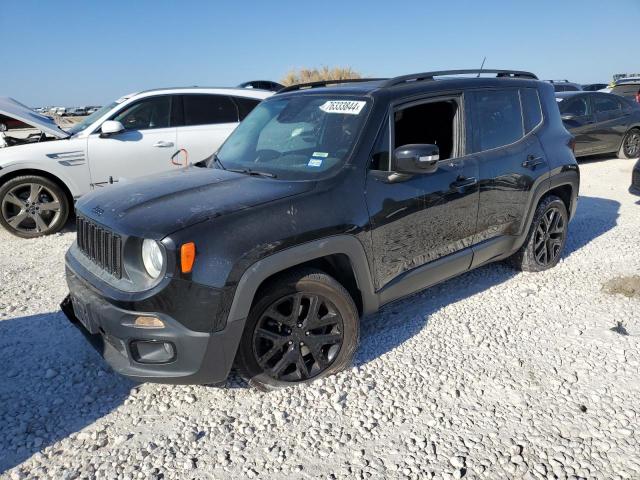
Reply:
x=495, y=374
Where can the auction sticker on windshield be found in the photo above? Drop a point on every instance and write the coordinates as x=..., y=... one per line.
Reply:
x=349, y=107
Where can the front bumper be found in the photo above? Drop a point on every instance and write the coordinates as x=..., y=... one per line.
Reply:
x=193, y=357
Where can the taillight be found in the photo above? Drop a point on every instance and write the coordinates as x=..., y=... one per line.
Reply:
x=572, y=144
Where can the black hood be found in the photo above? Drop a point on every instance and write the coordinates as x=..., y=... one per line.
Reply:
x=155, y=206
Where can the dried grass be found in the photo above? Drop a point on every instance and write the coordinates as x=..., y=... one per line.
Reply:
x=306, y=75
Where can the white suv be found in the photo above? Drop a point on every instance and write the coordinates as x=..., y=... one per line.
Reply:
x=139, y=134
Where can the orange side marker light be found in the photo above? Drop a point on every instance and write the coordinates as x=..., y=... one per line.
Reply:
x=187, y=256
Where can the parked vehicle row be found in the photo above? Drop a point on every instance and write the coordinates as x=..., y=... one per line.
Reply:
x=594, y=87
x=564, y=86
x=327, y=202
x=41, y=176
x=601, y=123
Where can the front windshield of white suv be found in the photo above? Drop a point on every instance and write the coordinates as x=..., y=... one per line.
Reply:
x=80, y=126
x=297, y=137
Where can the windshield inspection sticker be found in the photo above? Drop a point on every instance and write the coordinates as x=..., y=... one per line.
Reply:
x=349, y=107
x=315, y=162
x=320, y=154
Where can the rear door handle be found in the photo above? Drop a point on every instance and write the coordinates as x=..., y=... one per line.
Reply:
x=532, y=162
x=162, y=144
x=463, y=183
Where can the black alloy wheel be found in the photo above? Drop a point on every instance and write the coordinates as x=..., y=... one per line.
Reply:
x=549, y=237
x=542, y=249
x=303, y=325
x=298, y=337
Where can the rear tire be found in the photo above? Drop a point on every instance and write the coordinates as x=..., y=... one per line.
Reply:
x=630, y=147
x=32, y=206
x=304, y=326
x=546, y=238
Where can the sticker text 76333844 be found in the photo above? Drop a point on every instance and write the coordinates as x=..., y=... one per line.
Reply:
x=349, y=107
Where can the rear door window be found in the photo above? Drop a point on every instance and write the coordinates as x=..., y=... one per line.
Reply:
x=577, y=106
x=203, y=109
x=496, y=118
x=605, y=104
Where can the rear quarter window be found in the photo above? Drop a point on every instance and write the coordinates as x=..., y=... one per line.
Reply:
x=531, y=108
x=496, y=118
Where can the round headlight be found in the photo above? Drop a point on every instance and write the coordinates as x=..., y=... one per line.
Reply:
x=152, y=257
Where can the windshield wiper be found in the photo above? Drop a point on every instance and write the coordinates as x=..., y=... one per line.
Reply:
x=255, y=173
x=217, y=161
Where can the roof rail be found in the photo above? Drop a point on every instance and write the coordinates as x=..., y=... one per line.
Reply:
x=418, y=77
x=325, y=83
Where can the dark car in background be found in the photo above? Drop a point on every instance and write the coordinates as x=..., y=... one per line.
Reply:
x=564, y=86
x=601, y=123
x=635, y=179
x=262, y=85
x=594, y=87
x=628, y=87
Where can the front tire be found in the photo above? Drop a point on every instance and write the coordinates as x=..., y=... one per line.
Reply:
x=303, y=326
x=630, y=147
x=546, y=238
x=32, y=206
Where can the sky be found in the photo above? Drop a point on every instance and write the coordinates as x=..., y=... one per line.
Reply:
x=77, y=53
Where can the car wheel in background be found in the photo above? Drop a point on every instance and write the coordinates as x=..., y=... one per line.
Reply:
x=546, y=239
x=630, y=147
x=302, y=327
x=31, y=206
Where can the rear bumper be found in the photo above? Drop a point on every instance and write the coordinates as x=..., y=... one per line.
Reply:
x=185, y=356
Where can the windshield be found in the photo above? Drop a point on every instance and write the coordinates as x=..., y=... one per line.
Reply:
x=295, y=138
x=78, y=127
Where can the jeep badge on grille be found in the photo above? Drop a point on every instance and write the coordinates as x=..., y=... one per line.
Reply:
x=97, y=210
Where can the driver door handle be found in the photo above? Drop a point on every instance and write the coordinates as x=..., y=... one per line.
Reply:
x=163, y=144
x=463, y=183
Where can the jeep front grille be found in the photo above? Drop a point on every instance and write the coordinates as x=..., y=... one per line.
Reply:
x=101, y=246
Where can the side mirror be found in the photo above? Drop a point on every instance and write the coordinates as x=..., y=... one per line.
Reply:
x=3, y=127
x=111, y=127
x=416, y=158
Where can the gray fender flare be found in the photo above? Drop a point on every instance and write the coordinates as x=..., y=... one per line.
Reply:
x=290, y=257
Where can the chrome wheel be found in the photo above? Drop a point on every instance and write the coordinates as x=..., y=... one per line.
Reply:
x=31, y=208
x=298, y=337
x=631, y=144
x=549, y=237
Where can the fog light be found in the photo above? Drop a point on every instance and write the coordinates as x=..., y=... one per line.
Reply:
x=148, y=322
x=148, y=351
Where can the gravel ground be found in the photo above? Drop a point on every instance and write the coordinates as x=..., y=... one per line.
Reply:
x=495, y=374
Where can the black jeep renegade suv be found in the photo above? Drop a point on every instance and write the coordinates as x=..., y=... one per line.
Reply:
x=327, y=202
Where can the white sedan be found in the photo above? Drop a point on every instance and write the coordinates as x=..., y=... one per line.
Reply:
x=42, y=174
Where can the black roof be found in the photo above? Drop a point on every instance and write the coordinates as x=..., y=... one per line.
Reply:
x=407, y=84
